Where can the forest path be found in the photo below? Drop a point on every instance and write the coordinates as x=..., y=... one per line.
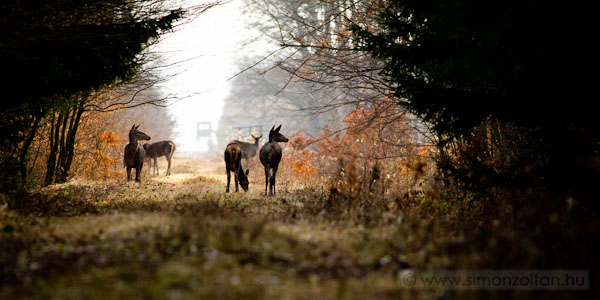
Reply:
x=185, y=169
x=183, y=237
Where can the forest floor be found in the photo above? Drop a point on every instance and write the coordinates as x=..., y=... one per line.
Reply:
x=183, y=237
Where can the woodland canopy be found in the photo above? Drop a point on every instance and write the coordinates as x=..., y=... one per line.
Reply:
x=56, y=52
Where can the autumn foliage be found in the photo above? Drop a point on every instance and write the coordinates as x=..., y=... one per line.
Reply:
x=372, y=157
x=103, y=159
x=99, y=143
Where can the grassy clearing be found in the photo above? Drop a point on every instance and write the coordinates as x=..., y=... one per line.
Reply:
x=182, y=237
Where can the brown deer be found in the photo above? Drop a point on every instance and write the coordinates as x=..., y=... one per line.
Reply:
x=270, y=156
x=233, y=163
x=134, y=154
x=249, y=150
x=158, y=149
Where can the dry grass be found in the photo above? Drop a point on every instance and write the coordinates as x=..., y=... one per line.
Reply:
x=182, y=237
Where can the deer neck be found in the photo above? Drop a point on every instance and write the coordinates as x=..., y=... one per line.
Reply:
x=133, y=139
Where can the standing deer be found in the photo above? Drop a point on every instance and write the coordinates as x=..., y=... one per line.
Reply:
x=249, y=150
x=233, y=163
x=158, y=149
x=134, y=154
x=270, y=156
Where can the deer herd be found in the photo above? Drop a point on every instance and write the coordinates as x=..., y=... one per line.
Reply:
x=270, y=155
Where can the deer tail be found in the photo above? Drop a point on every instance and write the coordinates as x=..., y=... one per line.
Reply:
x=173, y=147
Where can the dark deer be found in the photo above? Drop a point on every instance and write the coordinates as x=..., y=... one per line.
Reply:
x=249, y=150
x=233, y=163
x=270, y=156
x=158, y=149
x=134, y=154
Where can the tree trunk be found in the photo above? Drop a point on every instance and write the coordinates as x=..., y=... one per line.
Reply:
x=26, y=145
x=61, y=145
x=54, y=135
x=68, y=148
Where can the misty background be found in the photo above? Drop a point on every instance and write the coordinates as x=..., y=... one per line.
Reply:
x=224, y=71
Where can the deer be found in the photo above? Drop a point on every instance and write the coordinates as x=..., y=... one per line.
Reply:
x=270, y=156
x=249, y=150
x=134, y=154
x=233, y=163
x=158, y=149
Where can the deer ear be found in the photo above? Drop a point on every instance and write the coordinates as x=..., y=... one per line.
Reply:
x=273, y=128
x=277, y=129
x=133, y=127
x=252, y=135
x=260, y=136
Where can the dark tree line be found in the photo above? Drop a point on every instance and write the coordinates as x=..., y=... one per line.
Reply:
x=508, y=77
x=56, y=55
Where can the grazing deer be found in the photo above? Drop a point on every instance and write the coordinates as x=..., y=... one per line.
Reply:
x=233, y=163
x=249, y=150
x=270, y=155
x=134, y=154
x=158, y=149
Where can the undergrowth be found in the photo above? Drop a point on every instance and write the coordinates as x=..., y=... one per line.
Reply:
x=190, y=240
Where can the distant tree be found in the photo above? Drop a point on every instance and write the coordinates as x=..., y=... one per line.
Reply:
x=258, y=98
x=463, y=65
x=313, y=66
x=315, y=48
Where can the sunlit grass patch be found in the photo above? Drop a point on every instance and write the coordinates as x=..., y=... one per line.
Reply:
x=174, y=178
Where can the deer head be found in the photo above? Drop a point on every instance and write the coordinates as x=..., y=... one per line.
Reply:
x=256, y=138
x=135, y=134
x=244, y=179
x=275, y=136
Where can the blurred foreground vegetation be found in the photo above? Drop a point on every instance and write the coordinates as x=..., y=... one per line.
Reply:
x=182, y=237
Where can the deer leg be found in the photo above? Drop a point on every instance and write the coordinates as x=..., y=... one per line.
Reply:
x=266, y=179
x=228, y=180
x=273, y=179
x=235, y=177
x=128, y=173
x=271, y=183
x=138, y=171
x=155, y=171
x=169, y=167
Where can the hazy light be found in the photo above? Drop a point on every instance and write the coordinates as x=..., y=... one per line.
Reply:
x=206, y=49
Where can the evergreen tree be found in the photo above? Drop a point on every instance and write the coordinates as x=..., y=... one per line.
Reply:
x=461, y=63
